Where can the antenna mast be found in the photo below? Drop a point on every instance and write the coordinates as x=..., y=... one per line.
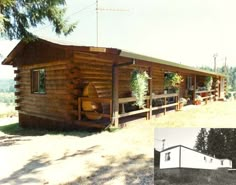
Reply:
x=97, y=21
x=103, y=9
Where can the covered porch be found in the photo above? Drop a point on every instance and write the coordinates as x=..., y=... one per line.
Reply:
x=120, y=104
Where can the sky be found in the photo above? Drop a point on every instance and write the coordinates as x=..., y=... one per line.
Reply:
x=183, y=31
x=175, y=136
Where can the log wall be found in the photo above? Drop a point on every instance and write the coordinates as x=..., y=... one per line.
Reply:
x=52, y=105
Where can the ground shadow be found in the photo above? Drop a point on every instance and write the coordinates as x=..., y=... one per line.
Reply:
x=136, y=169
x=24, y=174
x=16, y=130
x=28, y=173
x=78, y=152
x=11, y=140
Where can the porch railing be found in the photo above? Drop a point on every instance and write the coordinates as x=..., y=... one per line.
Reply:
x=163, y=99
x=207, y=95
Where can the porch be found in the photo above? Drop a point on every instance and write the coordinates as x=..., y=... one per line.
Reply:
x=154, y=104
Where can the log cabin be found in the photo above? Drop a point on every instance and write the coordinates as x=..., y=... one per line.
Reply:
x=60, y=85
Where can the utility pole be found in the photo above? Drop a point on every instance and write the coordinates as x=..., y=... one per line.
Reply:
x=97, y=18
x=214, y=56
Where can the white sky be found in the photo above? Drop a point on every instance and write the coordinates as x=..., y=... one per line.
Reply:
x=182, y=31
x=175, y=136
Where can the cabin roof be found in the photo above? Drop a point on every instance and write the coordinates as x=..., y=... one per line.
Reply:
x=122, y=53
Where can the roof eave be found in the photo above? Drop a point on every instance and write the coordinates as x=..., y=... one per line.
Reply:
x=165, y=62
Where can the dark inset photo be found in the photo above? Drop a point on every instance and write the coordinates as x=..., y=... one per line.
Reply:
x=195, y=156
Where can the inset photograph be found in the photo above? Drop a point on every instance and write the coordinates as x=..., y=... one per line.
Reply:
x=195, y=156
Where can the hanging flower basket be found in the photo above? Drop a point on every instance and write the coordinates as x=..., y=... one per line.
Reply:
x=139, y=86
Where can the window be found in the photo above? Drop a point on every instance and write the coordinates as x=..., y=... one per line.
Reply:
x=167, y=156
x=38, y=81
x=189, y=82
x=222, y=162
x=211, y=160
x=205, y=158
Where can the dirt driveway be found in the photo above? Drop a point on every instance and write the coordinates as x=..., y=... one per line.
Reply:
x=121, y=157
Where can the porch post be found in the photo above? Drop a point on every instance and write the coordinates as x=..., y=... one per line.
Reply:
x=149, y=102
x=194, y=87
x=115, y=95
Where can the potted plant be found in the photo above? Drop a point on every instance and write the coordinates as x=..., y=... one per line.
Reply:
x=173, y=81
x=198, y=100
x=139, y=86
x=182, y=102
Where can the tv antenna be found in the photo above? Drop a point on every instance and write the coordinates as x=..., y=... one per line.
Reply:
x=163, y=143
x=97, y=20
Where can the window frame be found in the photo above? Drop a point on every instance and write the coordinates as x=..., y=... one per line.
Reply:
x=34, y=83
x=167, y=156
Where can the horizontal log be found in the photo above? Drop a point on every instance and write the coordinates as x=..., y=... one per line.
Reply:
x=56, y=118
x=16, y=71
x=91, y=59
x=133, y=113
x=164, y=106
x=44, y=112
x=98, y=100
x=18, y=100
x=17, y=108
x=130, y=99
x=98, y=66
x=17, y=78
x=17, y=93
x=44, y=65
x=48, y=69
x=103, y=115
x=17, y=86
x=164, y=96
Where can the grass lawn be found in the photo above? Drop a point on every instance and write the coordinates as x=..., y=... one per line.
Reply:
x=121, y=157
x=206, y=177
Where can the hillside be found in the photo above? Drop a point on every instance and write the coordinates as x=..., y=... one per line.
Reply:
x=7, y=85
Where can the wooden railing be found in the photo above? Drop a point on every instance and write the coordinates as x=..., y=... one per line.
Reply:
x=165, y=104
x=208, y=95
x=122, y=101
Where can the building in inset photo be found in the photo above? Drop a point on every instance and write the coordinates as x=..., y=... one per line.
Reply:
x=183, y=157
x=186, y=155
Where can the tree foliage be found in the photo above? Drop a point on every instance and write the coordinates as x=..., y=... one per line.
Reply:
x=18, y=16
x=230, y=73
x=201, y=142
x=220, y=142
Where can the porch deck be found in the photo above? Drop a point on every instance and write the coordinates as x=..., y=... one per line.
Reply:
x=155, y=104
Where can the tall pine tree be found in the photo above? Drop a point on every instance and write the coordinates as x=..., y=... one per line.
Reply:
x=201, y=142
x=18, y=16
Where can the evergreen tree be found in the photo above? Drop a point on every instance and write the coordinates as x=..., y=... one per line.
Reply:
x=18, y=16
x=233, y=147
x=216, y=143
x=220, y=143
x=201, y=142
